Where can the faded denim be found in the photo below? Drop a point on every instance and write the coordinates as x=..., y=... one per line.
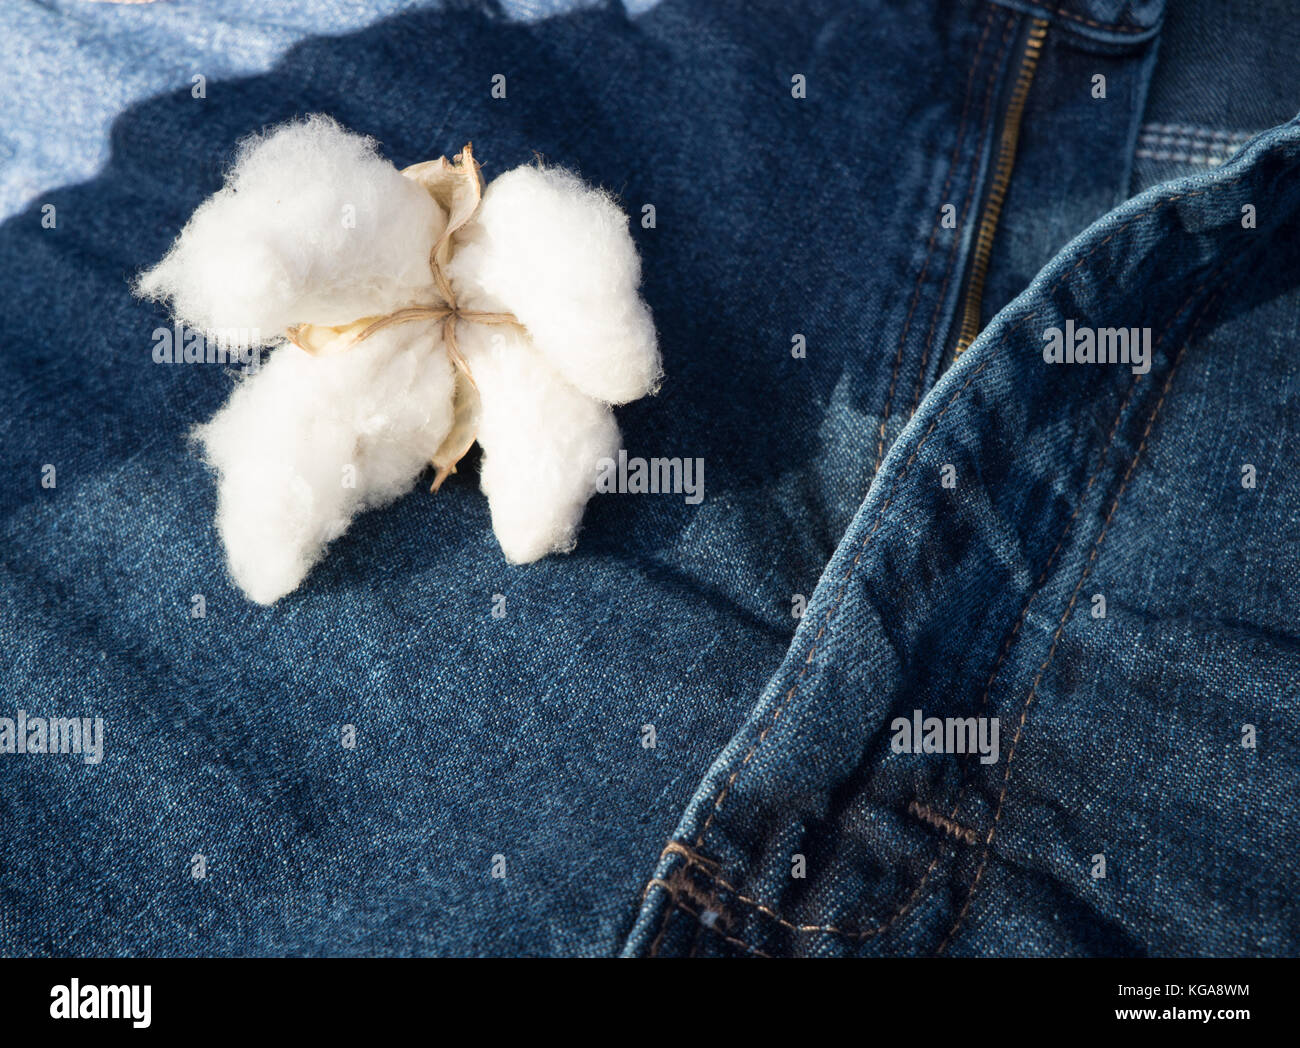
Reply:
x=517, y=744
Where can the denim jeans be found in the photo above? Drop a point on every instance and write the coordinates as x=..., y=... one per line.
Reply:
x=868, y=220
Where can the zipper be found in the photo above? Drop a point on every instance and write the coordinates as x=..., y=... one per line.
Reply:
x=973, y=298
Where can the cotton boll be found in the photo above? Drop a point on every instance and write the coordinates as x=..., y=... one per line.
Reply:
x=313, y=226
x=558, y=254
x=282, y=442
x=541, y=441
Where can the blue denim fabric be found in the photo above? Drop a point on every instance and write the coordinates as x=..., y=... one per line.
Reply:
x=1123, y=734
x=1215, y=97
x=515, y=744
x=68, y=67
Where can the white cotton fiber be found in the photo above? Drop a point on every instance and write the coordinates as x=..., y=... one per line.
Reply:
x=541, y=441
x=313, y=232
x=308, y=442
x=313, y=226
x=559, y=255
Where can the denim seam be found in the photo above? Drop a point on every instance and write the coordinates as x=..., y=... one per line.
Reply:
x=669, y=912
x=1044, y=9
x=776, y=715
x=696, y=940
x=717, y=804
x=902, y=474
x=1061, y=12
x=1069, y=609
x=1006, y=647
x=669, y=909
x=1009, y=640
x=676, y=884
x=1012, y=29
x=946, y=824
x=962, y=125
x=723, y=935
x=675, y=892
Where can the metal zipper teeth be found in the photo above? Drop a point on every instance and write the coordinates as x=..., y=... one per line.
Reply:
x=970, y=315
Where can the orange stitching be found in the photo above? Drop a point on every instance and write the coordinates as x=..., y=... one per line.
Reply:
x=1042, y=576
x=1010, y=638
x=655, y=882
x=674, y=847
x=663, y=928
x=929, y=814
x=848, y=933
x=720, y=882
x=1065, y=618
x=963, y=833
x=934, y=230
x=678, y=884
x=730, y=938
x=941, y=822
x=1062, y=13
x=717, y=805
x=961, y=795
x=668, y=910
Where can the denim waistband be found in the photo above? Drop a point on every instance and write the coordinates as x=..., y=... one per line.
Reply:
x=1116, y=21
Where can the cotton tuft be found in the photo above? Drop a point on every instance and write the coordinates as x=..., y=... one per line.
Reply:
x=312, y=226
x=319, y=247
x=559, y=253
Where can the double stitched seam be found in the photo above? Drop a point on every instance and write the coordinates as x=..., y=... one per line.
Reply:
x=966, y=835
x=934, y=230
x=1014, y=632
x=677, y=884
x=669, y=912
x=717, y=805
x=721, y=882
x=1069, y=609
x=776, y=715
x=692, y=858
x=1063, y=13
x=830, y=614
x=681, y=886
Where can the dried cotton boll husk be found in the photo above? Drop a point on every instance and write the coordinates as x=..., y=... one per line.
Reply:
x=557, y=254
x=541, y=440
x=281, y=444
x=312, y=226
